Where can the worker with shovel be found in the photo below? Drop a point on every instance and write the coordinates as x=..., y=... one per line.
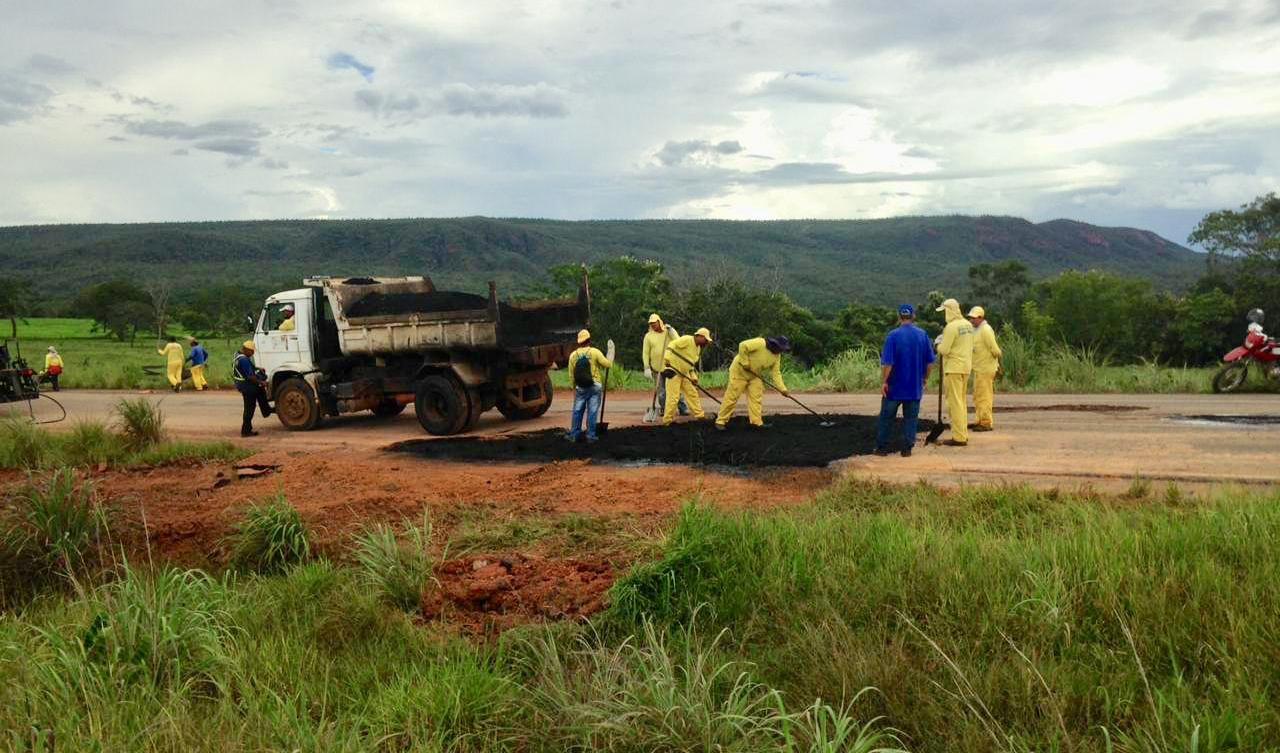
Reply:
x=955, y=348
x=656, y=338
x=680, y=369
x=585, y=364
x=905, y=361
x=746, y=374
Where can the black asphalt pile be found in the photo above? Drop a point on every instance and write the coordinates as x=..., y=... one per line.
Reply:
x=392, y=304
x=790, y=440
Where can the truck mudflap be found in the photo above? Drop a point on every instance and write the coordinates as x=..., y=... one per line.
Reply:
x=525, y=394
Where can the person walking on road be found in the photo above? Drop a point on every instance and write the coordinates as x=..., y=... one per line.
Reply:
x=986, y=364
x=955, y=347
x=656, y=338
x=680, y=369
x=585, y=364
x=252, y=387
x=52, y=368
x=755, y=357
x=905, y=362
x=198, y=358
x=173, y=352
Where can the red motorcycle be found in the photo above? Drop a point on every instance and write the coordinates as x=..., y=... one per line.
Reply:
x=1257, y=348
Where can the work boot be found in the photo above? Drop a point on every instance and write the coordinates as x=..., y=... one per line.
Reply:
x=721, y=427
x=568, y=437
x=980, y=427
x=954, y=443
x=906, y=453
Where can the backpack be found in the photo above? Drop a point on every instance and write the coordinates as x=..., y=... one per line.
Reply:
x=582, y=376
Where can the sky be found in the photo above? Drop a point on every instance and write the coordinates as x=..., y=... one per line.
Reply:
x=1143, y=113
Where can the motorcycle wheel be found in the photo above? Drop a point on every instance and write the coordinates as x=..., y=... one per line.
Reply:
x=1230, y=377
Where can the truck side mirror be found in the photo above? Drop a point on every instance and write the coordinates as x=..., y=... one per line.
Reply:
x=248, y=319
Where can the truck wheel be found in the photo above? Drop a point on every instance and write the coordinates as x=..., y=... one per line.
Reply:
x=442, y=406
x=1230, y=377
x=296, y=405
x=516, y=413
x=388, y=409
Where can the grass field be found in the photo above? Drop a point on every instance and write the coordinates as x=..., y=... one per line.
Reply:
x=990, y=619
x=94, y=361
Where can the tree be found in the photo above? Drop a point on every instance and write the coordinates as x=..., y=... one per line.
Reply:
x=624, y=291
x=1252, y=232
x=1119, y=316
x=16, y=300
x=864, y=325
x=219, y=310
x=118, y=308
x=999, y=288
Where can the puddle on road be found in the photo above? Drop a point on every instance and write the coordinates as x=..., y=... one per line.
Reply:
x=1241, y=421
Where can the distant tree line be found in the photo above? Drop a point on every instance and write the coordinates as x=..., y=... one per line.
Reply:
x=1123, y=319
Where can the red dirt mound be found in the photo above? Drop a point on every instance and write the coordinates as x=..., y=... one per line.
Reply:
x=489, y=594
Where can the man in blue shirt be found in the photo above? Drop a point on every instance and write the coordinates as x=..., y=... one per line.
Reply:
x=198, y=358
x=251, y=386
x=905, y=362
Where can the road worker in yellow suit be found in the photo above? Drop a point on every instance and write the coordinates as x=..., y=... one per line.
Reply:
x=758, y=357
x=680, y=367
x=955, y=346
x=175, y=358
x=986, y=363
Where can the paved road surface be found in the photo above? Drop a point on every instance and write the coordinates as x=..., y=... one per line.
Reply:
x=1034, y=442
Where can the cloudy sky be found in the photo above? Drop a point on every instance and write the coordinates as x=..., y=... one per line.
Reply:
x=1144, y=112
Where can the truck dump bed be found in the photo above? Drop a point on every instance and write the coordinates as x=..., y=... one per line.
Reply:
x=390, y=316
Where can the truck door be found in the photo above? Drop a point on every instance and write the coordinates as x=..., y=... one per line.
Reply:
x=281, y=346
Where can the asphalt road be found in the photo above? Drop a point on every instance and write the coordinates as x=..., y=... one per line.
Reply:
x=1036, y=440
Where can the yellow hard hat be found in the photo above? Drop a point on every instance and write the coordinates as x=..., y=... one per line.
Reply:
x=655, y=319
x=977, y=312
x=248, y=345
x=705, y=333
x=583, y=336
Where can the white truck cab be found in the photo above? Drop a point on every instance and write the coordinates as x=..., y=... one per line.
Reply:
x=286, y=350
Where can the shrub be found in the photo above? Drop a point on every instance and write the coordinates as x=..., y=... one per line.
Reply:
x=397, y=570
x=270, y=538
x=141, y=422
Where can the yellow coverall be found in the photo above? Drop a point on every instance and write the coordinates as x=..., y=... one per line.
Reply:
x=173, y=352
x=288, y=325
x=655, y=345
x=956, y=350
x=754, y=359
x=680, y=353
x=986, y=361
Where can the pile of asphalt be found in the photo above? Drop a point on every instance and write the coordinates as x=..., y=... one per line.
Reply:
x=788, y=440
x=393, y=304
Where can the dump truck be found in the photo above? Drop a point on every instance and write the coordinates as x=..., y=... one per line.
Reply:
x=379, y=344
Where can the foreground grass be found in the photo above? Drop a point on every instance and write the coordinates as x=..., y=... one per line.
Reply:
x=990, y=619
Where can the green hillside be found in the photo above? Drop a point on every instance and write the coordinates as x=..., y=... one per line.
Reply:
x=822, y=264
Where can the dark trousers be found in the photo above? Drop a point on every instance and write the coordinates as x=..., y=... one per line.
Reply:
x=910, y=418
x=253, y=395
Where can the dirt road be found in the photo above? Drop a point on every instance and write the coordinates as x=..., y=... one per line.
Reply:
x=1106, y=440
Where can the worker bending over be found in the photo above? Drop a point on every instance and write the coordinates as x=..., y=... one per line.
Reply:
x=656, y=338
x=756, y=358
x=198, y=358
x=955, y=347
x=680, y=369
x=585, y=364
x=172, y=351
x=986, y=363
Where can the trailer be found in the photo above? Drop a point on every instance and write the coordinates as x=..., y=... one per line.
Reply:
x=18, y=381
x=379, y=344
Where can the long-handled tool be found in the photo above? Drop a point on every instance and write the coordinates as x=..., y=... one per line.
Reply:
x=651, y=415
x=939, y=427
x=823, y=423
x=701, y=389
x=602, y=427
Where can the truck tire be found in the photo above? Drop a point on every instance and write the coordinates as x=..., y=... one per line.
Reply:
x=296, y=405
x=388, y=408
x=1231, y=377
x=516, y=413
x=442, y=405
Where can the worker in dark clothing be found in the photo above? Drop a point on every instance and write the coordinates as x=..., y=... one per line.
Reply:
x=252, y=387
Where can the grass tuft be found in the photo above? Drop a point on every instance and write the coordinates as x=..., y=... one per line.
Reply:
x=270, y=537
x=141, y=422
x=398, y=570
x=52, y=532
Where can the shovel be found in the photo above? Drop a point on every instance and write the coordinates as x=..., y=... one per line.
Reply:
x=823, y=423
x=651, y=415
x=602, y=427
x=939, y=427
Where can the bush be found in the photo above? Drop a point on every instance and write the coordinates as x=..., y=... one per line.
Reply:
x=270, y=538
x=398, y=571
x=141, y=422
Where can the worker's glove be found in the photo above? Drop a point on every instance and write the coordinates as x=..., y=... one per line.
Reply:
x=937, y=341
x=648, y=373
x=609, y=350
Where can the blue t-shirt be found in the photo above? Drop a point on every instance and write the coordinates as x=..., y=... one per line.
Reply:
x=908, y=350
x=199, y=356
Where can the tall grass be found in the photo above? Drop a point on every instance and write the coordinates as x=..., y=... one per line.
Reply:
x=140, y=421
x=398, y=570
x=52, y=529
x=270, y=537
x=852, y=371
x=92, y=444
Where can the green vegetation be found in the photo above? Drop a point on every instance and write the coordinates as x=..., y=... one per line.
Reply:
x=270, y=537
x=91, y=444
x=994, y=618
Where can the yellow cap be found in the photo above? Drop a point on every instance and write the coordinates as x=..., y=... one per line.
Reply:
x=977, y=312
x=583, y=336
x=705, y=333
x=654, y=319
x=950, y=303
x=248, y=345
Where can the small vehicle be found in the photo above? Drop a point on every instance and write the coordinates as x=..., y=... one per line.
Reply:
x=379, y=344
x=17, y=379
x=1257, y=349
